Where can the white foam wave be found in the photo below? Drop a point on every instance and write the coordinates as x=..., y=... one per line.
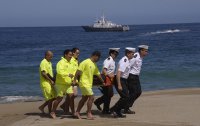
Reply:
x=169, y=31
x=11, y=99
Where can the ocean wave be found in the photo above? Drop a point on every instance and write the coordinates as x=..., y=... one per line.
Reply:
x=169, y=31
x=11, y=99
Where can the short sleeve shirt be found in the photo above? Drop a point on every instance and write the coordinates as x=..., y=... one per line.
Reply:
x=109, y=64
x=47, y=67
x=88, y=69
x=124, y=67
x=136, y=64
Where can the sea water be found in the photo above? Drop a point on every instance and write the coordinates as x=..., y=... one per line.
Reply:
x=173, y=60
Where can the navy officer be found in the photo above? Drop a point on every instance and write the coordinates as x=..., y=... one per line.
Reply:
x=134, y=86
x=108, y=75
x=121, y=84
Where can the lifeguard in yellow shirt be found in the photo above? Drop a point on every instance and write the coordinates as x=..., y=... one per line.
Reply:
x=63, y=80
x=46, y=81
x=87, y=69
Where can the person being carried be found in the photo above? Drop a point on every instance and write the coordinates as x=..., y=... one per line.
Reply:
x=47, y=81
x=87, y=69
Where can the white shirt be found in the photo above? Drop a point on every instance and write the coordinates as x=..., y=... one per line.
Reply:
x=124, y=67
x=136, y=64
x=109, y=64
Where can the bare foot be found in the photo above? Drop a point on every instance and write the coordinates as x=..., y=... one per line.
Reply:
x=41, y=109
x=53, y=115
x=90, y=116
x=77, y=115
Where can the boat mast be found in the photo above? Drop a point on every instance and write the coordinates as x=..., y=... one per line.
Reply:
x=103, y=18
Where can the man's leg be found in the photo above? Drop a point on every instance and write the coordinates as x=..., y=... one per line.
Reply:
x=50, y=105
x=48, y=94
x=65, y=105
x=100, y=100
x=55, y=105
x=107, y=98
x=134, y=90
x=71, y=103
x=138, y=91
x=89, y=107
x=131, y=84
x=123, y=101
x=41, y=108
x=80, y=106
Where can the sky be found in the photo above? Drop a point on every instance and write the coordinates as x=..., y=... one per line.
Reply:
x=25, y=13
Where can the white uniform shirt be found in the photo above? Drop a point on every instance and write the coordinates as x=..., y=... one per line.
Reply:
x=136, y=64
x=124, y=67
x=109, y=64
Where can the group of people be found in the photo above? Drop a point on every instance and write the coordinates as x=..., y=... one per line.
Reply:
x=70, y=74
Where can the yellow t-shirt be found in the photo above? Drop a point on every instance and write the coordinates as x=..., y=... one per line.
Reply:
x=47, y=67
x=89, y=69
x=63, y=69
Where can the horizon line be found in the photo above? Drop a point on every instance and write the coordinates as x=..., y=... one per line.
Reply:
x=82, y=25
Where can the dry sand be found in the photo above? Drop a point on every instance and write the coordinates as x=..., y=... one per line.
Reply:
x=180, y=107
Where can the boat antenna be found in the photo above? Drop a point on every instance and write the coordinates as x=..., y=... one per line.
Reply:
x=103, y=18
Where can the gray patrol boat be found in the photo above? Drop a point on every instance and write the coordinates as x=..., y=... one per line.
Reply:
x=104, y=25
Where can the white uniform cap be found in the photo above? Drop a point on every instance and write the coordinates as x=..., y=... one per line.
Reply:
x=143, y=46
x=115, y=49
x=130, y=49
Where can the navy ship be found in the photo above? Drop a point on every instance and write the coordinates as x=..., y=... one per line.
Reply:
x=104, y=25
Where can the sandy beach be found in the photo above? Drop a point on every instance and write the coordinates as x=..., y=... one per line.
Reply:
x=179, y=107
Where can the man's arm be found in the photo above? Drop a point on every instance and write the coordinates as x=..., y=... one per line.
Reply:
x=111, y=75
x=101, y=79
x=118, y=80
x=78, y=73
x=44, y=74
x=104, y=72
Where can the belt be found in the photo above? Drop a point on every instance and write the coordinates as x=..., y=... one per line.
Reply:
x=130, y=74
x=123, y=78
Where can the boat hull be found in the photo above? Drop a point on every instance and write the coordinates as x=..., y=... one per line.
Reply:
x=113, y=29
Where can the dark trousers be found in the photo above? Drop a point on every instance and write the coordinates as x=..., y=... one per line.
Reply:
x=124, y=96
x=105, y=98
x=134, y=88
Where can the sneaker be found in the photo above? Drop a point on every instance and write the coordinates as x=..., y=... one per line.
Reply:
x=128, y=111
x=118, y=115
